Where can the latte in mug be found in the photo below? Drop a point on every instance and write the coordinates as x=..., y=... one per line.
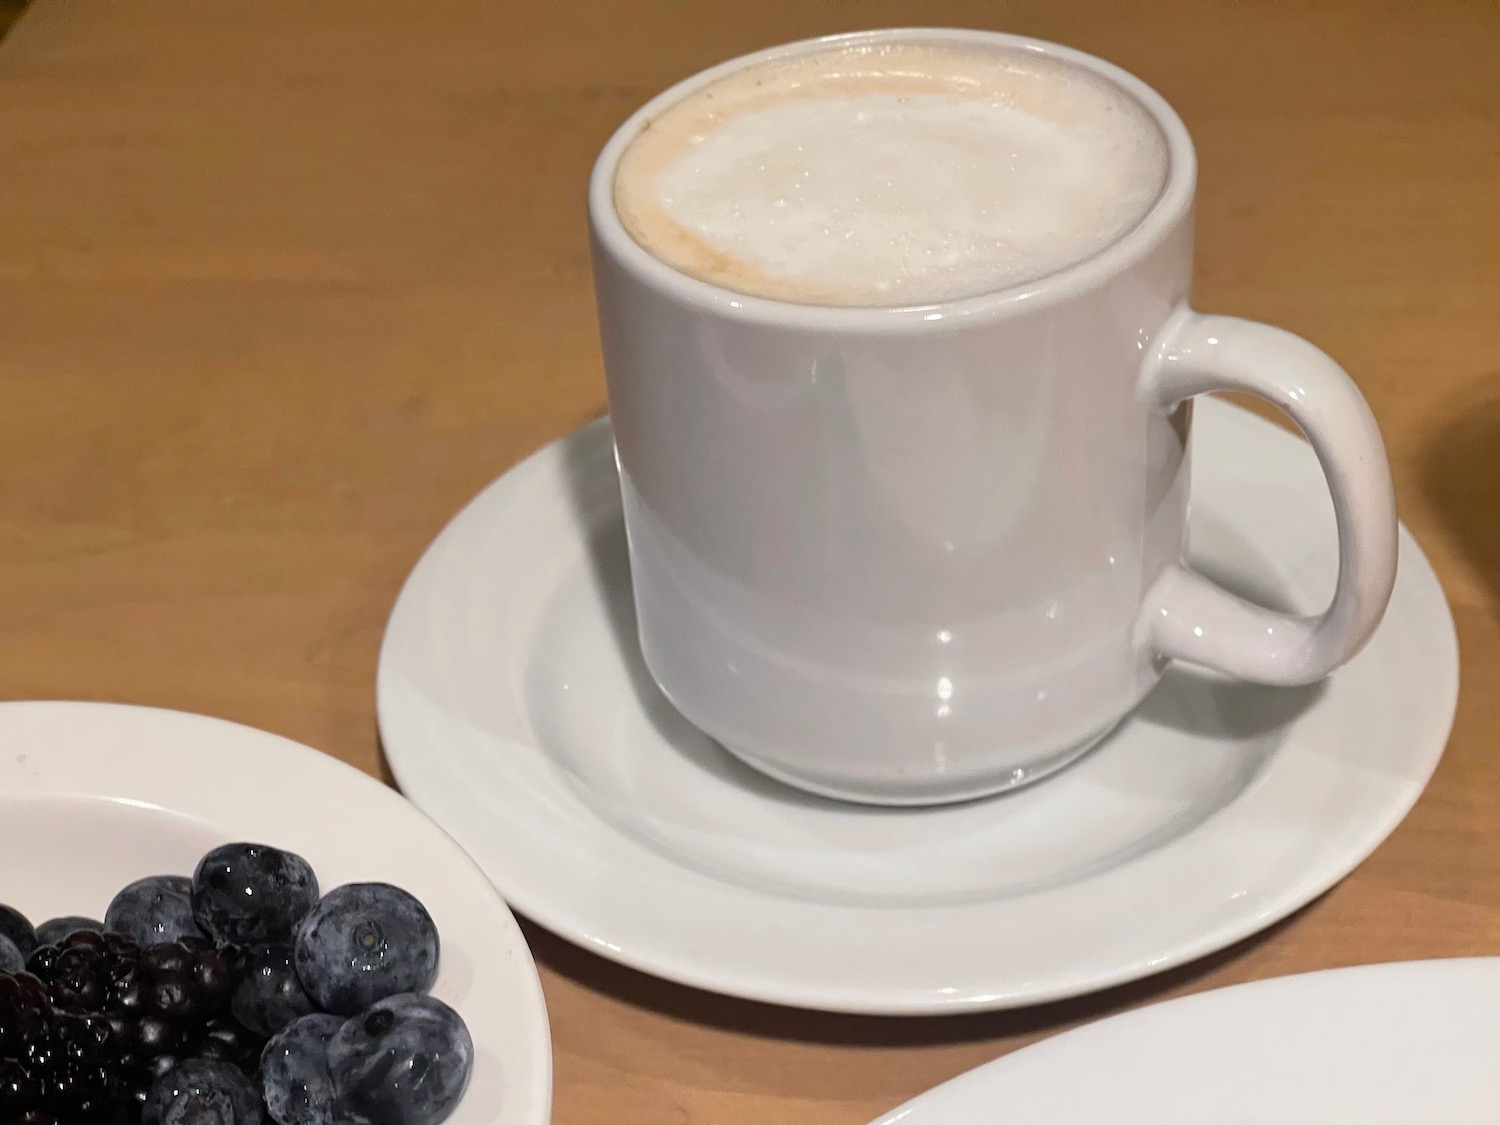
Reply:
x=890, y=173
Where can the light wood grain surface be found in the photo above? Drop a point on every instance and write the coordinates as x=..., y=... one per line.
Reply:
x=282, y=284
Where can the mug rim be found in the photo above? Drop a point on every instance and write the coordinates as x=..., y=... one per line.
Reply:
x=1172, y=205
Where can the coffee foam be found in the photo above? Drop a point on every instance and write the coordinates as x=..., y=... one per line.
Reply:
x=893, y=174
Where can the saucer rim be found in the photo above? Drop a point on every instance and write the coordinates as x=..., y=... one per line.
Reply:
x=1319, y=1003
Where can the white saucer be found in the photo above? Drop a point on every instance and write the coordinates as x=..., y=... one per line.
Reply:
x=1391, y=1044
x=515, y=710
x=94, y=795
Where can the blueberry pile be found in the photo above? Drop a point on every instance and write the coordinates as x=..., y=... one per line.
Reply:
x=236, y=997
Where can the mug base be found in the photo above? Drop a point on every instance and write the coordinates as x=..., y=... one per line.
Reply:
x=909, y=792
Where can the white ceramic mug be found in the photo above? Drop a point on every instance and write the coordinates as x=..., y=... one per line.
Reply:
x=909, y=555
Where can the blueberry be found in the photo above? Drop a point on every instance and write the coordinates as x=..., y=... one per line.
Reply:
x=225, y=1038
x=14, y=925
x=269, y=995
x=11, y=960
x=198, y=1109
x=247, y=894
x=52, y=931
x=152, y=910
x=294, y=1071
x=362, y=943
x=405, y=1061
x=202, y=1092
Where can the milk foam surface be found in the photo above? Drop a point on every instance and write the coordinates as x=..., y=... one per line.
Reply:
x=896, y=174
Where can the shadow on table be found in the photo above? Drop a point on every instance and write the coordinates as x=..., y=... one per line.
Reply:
x=10, y=11
x=1461, y=476
x=770, y=1021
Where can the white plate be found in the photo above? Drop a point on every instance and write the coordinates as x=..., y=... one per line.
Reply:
x=1375, y=1045
x=93, y=795
x=515, y=710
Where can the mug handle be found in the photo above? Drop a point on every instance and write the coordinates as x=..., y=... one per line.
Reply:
x=1187, y=617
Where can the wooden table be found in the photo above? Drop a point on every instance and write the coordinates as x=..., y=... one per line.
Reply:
x=282, y=284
